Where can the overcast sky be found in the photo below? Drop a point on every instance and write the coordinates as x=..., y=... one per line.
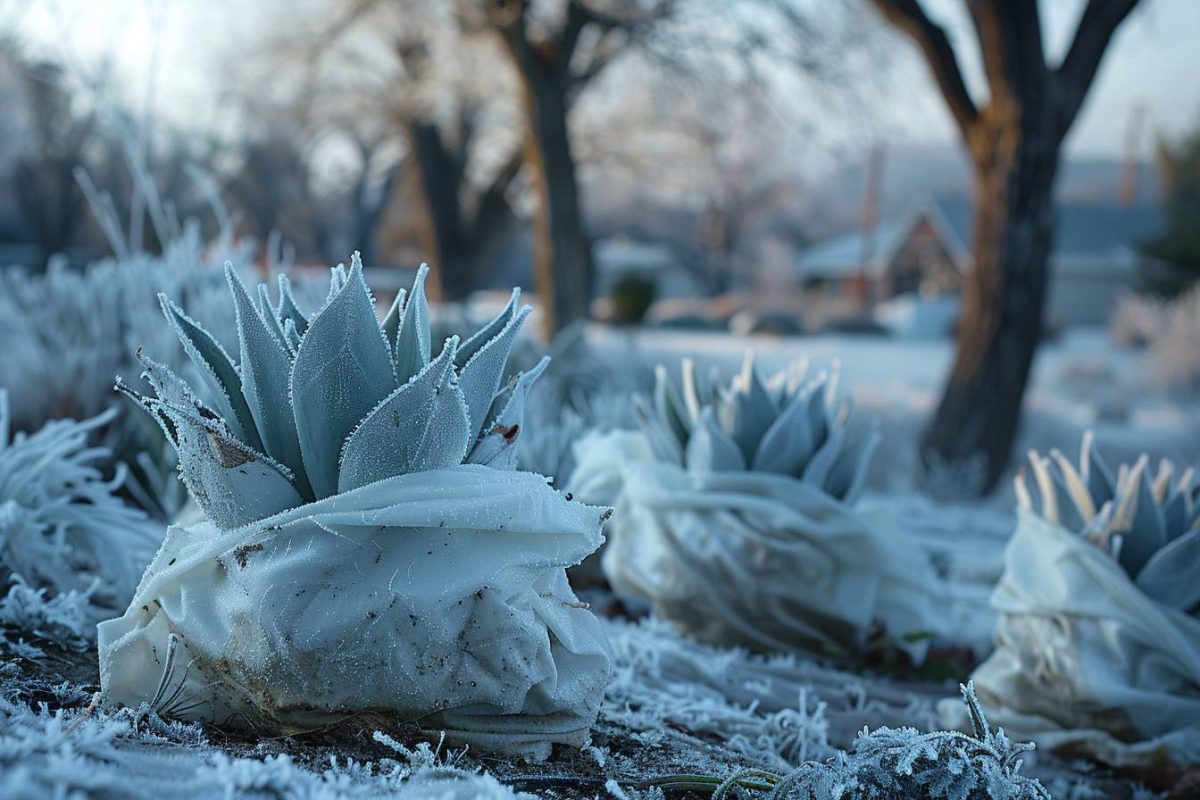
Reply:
x=1154, y=60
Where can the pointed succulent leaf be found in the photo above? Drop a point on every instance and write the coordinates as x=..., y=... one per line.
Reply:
x=232, y=483
x=669, y=407
x=423, y=425
x=391, y=321
x=663, y=444
x=1145, y=533
x=1175, y=515
x=266, y=382
x=1170, y=575
x=480, y=377
x=288, y=308
x=1045, y=486
x=788, y=444
x=292, y=337
x=412, y=340
x=710, y=449
x=849, y=472
x=341, y=372
x=218, y=372
x=488, y=332
x=168, y=386
x=745, y=410
x=496, y=448
x=267, y=311
x=817, y=470
x=1072, y=481
x=1095, y=473
x=693, y=394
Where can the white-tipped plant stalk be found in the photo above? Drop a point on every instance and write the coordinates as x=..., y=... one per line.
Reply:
x=314, y=408
x=1148, y=521
x=796, y=424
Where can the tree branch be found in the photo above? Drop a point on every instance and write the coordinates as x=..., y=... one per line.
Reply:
x=1074, y=76
x=908, y=16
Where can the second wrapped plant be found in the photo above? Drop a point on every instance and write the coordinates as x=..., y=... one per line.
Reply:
x=368, y=544
x=741, y=529
x=1098, y=633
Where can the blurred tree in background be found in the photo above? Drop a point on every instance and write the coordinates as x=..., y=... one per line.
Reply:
x=1014, y=140
x=1179, y=246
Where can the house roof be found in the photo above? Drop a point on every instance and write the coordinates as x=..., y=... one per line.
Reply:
x=1089, y=235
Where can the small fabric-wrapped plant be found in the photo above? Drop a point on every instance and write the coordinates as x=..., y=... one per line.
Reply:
x=740, y=529
x=1098, y=631
x=368, y=544
x=63, y=531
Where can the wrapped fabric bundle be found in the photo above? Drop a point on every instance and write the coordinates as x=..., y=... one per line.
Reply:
x=1098, y=638
x=368, y=544
x=740, y=529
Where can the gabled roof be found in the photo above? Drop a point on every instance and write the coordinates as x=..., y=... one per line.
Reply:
x=1087, y=234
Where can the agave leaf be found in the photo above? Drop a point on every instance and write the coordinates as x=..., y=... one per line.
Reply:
x=292, y=337
x=1045, y=486
x=817, y=393
x=341, y=372
x=266, y=382
x=1175, y=516
x=788, y=444
x=232, y=483
x=710, y=449
x=663, y=445
x=1021, y=490
x=337, y=279
x=1072, y=481
x=169, y=387
x=817, y=470
x=849, y=472
x=1095, y=473
x=1169, y=576
x=488, y=332
x=1146, y=533
x=745, y=411
x=412, y=339
x=692, y=392
x=267, y=311
x=504, y=422
x=423, y=425
x=391, y=321
x=217, y=370
x=480, y=377
x=288, y=308
x=669, y=407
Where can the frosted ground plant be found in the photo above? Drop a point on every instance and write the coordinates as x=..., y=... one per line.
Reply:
x=740, y=529
x=368, y=543
x=1098, y=633
x=70, y=551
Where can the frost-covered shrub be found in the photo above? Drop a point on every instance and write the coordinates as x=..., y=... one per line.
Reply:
x=368, y=544
x=69, y=332
x=70, y=552
x=740, y=528
x=892, y=763
x=1098, y=638
x=1169, y=330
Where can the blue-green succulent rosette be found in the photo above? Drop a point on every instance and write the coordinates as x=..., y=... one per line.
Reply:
x=740, y=528
x=368, y=544
x=1098, y=613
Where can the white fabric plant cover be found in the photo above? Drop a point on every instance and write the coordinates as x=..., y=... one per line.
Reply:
x=1086, y=663
x=445, y=585
x=762, y=560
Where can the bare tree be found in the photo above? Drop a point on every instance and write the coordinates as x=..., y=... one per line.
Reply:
x=548, y=60
x=1014, y=139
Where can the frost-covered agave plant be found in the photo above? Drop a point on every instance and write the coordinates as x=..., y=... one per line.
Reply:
x=369, y=545
x=1149, y=522
x=741, y=529
x=795, y=424
x=62, y=530
x=1097, y=633
x=314, y=408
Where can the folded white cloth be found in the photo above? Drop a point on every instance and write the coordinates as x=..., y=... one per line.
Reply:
x=438, y=596
x=1086, y=663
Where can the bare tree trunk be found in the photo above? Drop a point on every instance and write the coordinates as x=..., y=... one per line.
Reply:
x=444, y=235
x=1003, y=298
x=562, y=259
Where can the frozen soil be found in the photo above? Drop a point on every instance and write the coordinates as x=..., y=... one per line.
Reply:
x=674, y=707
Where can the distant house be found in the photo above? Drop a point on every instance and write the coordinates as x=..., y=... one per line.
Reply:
x=927, y=250
x=617, y=258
